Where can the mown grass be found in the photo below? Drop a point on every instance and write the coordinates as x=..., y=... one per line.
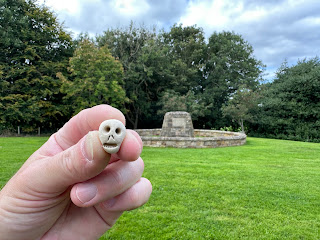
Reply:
x=266, y=189
x=13, y=152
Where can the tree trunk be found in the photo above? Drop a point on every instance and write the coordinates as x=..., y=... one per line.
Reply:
x=128, y=117
x=136, y=121
x=242, y=126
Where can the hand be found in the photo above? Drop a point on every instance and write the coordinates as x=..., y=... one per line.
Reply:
x=71, y=188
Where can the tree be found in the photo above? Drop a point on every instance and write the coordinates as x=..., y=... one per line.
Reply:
x=145, y=69
x=173, y=101
x=180, y=61
x=229, y=64
x=291, y=103
x=154, y=63
x=34, y=47
x=241, y=106
x=185, y=52
x=95, y=78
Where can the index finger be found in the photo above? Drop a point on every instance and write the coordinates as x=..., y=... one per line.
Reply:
x=78, y=126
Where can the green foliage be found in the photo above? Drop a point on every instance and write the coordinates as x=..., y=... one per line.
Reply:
x=180, y=64
x=185, y=53
x=158, y=66
x=95, y=78
x=230, y=63
x=242, y=106
x=34, y=47
x=231, y=129
x=173, y=101
x=291, y=104
x=144, y=63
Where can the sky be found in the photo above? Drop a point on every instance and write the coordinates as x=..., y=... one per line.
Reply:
x=278, y=30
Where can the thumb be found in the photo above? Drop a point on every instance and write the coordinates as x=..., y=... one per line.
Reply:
x=82, y=161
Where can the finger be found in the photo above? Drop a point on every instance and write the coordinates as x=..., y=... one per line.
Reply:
x=78, y=126
x=134, y=197
x=78, y=163
x=131, y=147
x=114, y=180
x=102, y=217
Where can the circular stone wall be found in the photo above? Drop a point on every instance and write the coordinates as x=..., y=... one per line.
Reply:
x=202, y=139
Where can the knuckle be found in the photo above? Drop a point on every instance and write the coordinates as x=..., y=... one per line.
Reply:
x=116, y=178
x=141, y=162
x=69, y=165
x=67, y=162
x=138, y=168
x=135, y=199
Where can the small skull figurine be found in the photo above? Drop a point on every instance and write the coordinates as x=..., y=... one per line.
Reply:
x=111, y=134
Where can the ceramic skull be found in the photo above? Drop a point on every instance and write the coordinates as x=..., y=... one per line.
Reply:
x=111, y=134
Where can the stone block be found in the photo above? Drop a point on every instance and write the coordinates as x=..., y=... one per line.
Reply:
x=177, y=124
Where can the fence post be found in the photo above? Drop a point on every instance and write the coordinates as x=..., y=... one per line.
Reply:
x=18, y=130
x=39, y=131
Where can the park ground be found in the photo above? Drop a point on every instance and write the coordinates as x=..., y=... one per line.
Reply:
x=266, y=189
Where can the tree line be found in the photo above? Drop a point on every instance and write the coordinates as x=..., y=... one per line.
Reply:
x=47, y=77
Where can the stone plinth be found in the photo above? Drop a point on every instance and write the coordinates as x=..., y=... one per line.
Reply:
x=177, y=124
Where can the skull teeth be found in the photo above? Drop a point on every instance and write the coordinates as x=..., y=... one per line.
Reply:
x=109, y=145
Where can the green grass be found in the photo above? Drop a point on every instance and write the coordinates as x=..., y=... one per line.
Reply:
x=13, y=152
x=266, y=189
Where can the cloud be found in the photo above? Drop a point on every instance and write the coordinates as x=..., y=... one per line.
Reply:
x=97, y=16
x=62, y=6
x=277, y=30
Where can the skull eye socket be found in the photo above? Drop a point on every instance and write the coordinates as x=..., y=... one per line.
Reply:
x=107, y=129
x=118, y=131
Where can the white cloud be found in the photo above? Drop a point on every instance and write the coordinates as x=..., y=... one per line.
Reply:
x=312, y=20
x=213, y=14
x=220, y=15
x=68, y=6
x=252, y=15
x=130, y=8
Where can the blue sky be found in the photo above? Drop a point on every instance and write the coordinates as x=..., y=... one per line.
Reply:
x=278, y=30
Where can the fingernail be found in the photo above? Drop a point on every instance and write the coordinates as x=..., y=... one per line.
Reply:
x=86, y=192
x=87, y=147
x=92, y=149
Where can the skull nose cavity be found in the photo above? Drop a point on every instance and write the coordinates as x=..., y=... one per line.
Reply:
x=111, y=138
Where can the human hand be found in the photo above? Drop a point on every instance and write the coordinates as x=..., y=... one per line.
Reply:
x=71, y=188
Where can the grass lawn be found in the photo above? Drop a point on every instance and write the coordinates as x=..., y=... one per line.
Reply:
x=266, y=189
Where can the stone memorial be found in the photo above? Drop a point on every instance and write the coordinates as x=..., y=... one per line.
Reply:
x=177, y=124
x=177, y=131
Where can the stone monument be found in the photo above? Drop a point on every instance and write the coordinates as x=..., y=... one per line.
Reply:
x=177, y=124
x=177, y=131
